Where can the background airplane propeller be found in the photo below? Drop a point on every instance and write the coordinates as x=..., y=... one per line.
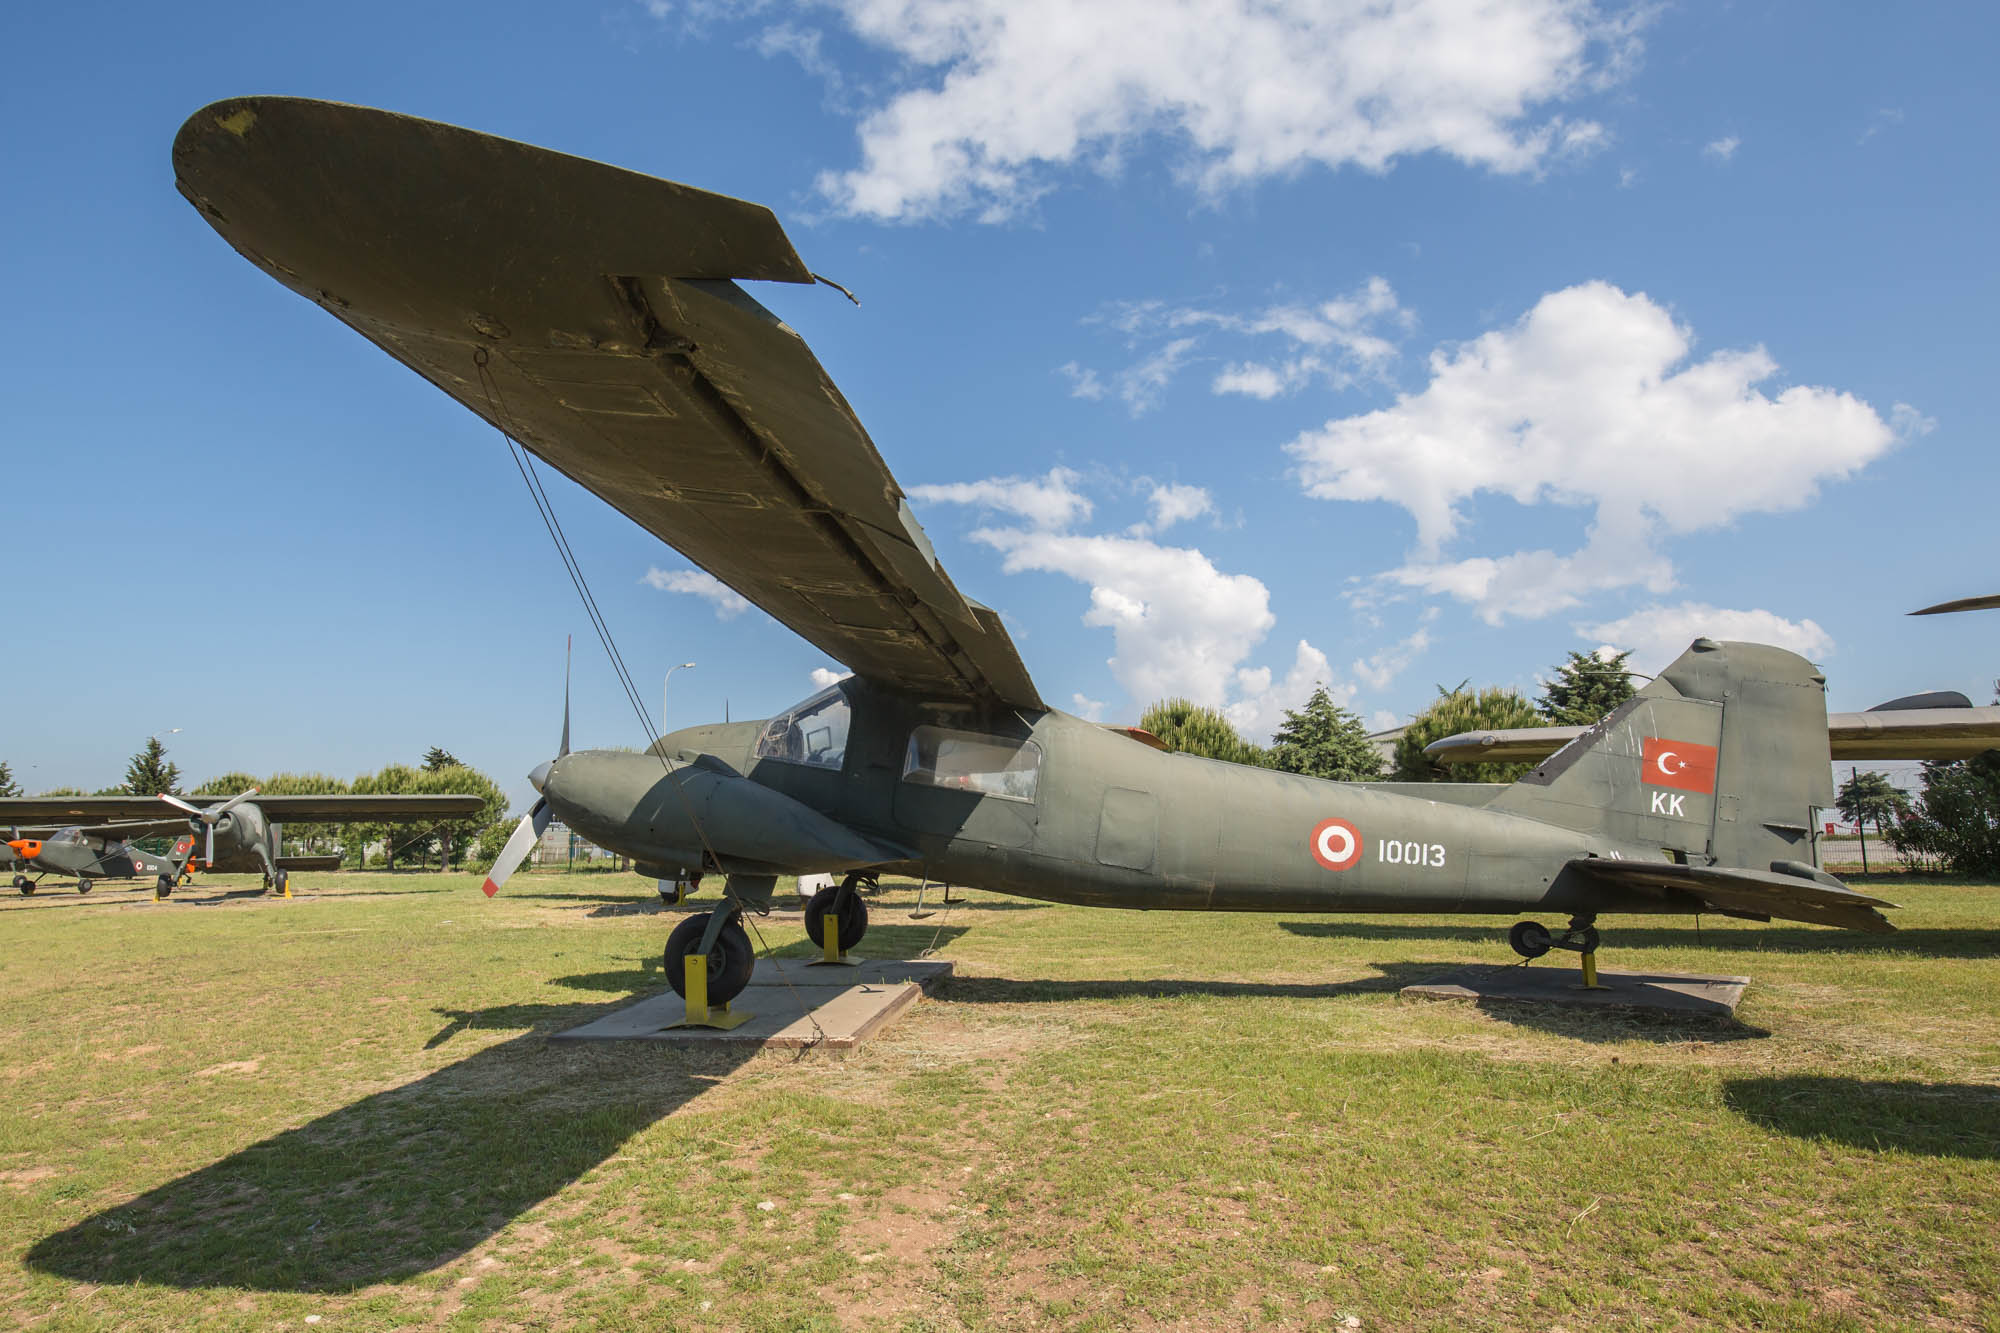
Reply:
x=210, y=816
x=536, y=822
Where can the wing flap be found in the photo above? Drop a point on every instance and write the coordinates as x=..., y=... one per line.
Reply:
x=1825, y=901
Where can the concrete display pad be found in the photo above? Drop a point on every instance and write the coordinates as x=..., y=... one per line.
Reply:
x=1666, y=992
x=850, y=1004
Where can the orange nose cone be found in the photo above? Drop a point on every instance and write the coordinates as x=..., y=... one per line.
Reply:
x=26, y=847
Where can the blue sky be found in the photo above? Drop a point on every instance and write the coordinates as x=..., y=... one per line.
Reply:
x=1225, y=348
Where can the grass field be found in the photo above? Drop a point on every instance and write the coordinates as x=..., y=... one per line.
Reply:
x=342, y=1110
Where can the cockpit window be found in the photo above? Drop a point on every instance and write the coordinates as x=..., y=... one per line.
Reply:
x=71, y=834
x=968, y=761
x=813, y=734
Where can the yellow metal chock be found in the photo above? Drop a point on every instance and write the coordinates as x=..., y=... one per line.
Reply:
x=831, y=954
x=1590, y=981
x=699, y=1013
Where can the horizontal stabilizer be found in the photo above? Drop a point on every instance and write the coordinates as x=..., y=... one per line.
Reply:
x=1823, y=901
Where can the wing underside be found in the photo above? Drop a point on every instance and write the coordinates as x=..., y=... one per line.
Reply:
x=589, y=312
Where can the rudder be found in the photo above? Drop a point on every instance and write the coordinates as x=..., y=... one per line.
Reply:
x=1721, y=759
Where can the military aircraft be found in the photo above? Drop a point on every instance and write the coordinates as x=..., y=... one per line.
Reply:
x=594, y=316
x=239, y=835
x=88, y=855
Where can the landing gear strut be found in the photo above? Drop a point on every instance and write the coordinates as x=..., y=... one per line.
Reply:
x=730, y=956
x=849, y=913
x=1531, y=939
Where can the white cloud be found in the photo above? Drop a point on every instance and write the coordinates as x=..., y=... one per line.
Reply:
x=1722, y=149
x=825, y=676
x=1090, y=710
x=1338, y=342
x=1591, y=400
x=1179, y=625
x=996, y=97
x=1264, y=702
x=1377, y=671
x=1173, y=502
x=1656, y=635
x=1050, y=501
x=699, y=583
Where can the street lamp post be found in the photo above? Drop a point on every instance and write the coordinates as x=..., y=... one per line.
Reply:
x=683, y=666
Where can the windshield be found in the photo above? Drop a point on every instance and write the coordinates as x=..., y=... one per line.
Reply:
x=813, y=734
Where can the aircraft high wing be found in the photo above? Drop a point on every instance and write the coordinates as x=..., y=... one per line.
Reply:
x=589, y=313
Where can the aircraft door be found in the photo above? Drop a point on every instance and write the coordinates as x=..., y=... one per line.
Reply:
x=1128, y=830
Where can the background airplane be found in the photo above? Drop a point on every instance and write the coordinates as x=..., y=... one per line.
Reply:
x=88, y=855
x=240, y=835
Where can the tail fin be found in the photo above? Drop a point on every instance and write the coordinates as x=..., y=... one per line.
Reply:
x=1722, y=758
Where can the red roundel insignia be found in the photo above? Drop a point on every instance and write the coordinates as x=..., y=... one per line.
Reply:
x=1336, y=844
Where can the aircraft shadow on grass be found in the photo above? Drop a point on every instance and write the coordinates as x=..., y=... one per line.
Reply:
x=1969, y=943
x=404, y=1181
x=1928, y=1119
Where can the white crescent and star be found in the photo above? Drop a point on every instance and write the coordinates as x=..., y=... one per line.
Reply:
x=1661, y=763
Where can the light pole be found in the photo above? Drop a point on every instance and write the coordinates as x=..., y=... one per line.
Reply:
x=683, y=666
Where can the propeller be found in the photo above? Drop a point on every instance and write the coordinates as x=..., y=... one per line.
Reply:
x=209, y=816
x=536, y=822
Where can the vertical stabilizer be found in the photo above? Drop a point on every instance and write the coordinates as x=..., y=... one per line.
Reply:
x=1722, y=759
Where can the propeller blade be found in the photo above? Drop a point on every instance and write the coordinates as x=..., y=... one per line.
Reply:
x=230, y=804
x=565, y=740
x=208, y=858
x=179, y=804
x=518, y=846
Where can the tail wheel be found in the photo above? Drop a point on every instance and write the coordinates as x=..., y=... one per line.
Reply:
x=1531, y=939
x=729, y=962
x=853, y=918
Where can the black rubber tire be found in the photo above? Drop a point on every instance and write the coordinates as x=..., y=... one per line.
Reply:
x=163, y=887
x=853, y=919
x=728, y=965
x=283, y=881
x=84, y=886
x=1530, y=939
x=26, y=887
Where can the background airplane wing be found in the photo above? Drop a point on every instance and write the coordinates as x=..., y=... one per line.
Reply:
x=587, y=311
x=135, y=814
x=1987, y=603
x=1905, y=733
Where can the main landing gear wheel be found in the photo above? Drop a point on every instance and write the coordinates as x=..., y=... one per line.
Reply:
x=25, y=885
x=84, y=886
x=729, y=962
x=1530, y=939
x=283, y=883
x=163, y=887
x=853, y=916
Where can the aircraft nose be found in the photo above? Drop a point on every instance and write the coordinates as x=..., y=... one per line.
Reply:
x=25, y=847
x=538, y=776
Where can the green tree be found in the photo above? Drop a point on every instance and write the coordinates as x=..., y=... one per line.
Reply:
x=392, y=780
x=1954, y=823
x=63, y=791
x=437, y=757
x=1462, y=709
x=1324, y=740
x=8, y=787
x=304, y=784
x=226, y=784
x=149, y=773
x=1584, y=689
x=1869, y=797
x=456, y=835
x=1189, y=728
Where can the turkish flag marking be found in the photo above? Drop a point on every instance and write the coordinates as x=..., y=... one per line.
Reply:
x=1681, y=764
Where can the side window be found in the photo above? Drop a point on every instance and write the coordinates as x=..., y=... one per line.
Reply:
x=966, y=761
x=814, y=733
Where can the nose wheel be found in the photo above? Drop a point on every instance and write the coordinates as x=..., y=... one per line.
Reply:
x=844, y=909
